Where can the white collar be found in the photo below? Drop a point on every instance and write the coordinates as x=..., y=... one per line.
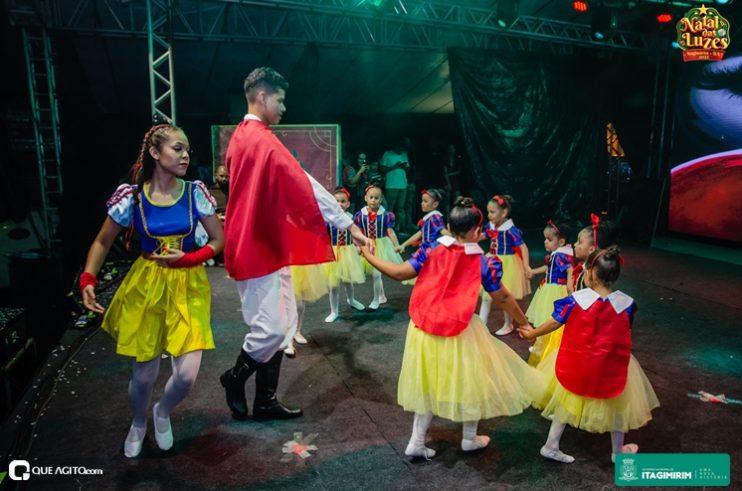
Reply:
x=431, y=213
x=364, y=210
x=564, y=250
x=251, y=116
x=587, y=296
x=470, y=248
x=506, y=225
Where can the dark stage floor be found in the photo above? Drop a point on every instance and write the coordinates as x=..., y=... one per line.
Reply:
x=687, y=337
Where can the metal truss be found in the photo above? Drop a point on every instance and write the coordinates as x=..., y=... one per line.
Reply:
x=160, y=57
x=42, y=89
x=403, y=24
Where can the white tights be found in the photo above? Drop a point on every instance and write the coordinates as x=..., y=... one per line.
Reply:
x=144, y=375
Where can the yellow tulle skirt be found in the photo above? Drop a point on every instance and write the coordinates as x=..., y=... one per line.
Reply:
x=467, y=377
x=309, y=282
x=157, y=309
x=539, y=311
x=630, y=410
x=347, y=267
x=383, y=249
x=514, y=275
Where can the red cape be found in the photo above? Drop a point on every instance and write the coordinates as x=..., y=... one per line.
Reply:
x=446, y=291
x=593, y=359
x=272, y=218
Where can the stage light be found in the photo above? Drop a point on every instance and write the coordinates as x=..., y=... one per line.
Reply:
x=506, y=12
x=664, y=18
x=579, y=6
x=604, y=22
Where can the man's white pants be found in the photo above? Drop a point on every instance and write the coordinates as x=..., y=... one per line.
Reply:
x=269, y=309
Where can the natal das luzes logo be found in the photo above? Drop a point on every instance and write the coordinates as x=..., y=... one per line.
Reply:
x=703, y=34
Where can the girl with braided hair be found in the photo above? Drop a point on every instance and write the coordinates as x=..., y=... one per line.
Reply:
x=595, y=383
x=164, y=302
x=452, y=367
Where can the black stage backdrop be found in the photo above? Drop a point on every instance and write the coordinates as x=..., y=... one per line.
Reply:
x=534, y=126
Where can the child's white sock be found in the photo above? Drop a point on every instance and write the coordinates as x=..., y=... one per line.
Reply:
x=378, y=291
x=617, y=445
x=484, y=309
x=334, y=305
x=469, y=439
x=351, y=297
x=551, y=449
x=416, y=447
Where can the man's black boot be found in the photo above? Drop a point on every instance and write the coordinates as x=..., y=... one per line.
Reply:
x=267, y=406
x=233, y=381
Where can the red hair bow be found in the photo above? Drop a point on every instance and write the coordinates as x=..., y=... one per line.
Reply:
x=499, y=200
x=595, y=221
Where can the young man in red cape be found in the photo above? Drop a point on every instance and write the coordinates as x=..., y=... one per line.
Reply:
x=275, y=218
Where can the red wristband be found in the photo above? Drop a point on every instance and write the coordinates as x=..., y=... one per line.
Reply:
x=87, y=279
x=194, y=258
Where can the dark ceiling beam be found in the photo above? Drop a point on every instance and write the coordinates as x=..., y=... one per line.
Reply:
x=415, y=24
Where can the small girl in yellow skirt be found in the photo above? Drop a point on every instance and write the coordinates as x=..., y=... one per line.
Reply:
x=507, y=244
x=164, y=302
x=309, y=284
x=596, y=384
x=556, y=285
x=347, y=268
x=377, y=225
x=452, y=367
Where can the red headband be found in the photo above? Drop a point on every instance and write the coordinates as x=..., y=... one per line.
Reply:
x=369, y=187
x=499, y=200
x=344, y=191
x=595, y=221
x=551, y=224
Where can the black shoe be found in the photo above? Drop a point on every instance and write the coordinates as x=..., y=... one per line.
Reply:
x=267, y=406
x=233, y=381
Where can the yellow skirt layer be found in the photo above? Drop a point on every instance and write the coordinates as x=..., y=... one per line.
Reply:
x=539, y=311
x=309, y=282
x=383, y=249
x=347, y=267
x=514, y=275
x=630, y=410
x=159, y=309
x=467, y=377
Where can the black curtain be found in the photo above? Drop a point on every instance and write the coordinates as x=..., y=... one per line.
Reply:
x=534, y=127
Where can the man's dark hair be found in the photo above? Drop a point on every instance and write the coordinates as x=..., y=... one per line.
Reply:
x=264, y=78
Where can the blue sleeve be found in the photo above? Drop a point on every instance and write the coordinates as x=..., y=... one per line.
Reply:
x=205, y=202
x=562, y=309
x=631, y=311
x=562, y=262
x=436, y=225
x=418, y=258
x=516, y=237
x=390, y=219
x=491, y=273
x=121, y=205
x=357, y=220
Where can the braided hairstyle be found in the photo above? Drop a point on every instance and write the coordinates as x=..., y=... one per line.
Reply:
x=263, y=78
x=605, y=264
x=144, y=167
x=464, y=216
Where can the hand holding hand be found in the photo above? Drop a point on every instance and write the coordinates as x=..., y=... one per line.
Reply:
x=170, y=256
x=526, y=332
